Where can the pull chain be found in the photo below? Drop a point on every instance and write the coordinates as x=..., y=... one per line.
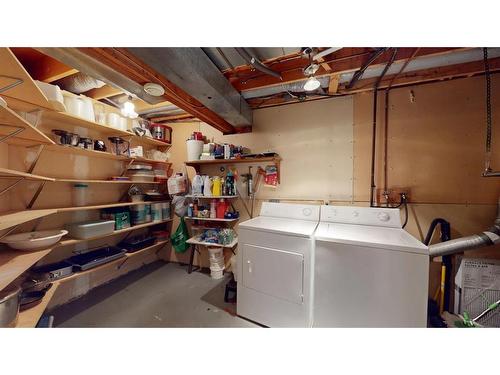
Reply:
x=488, y=110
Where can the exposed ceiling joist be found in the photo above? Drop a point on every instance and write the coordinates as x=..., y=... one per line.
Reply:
x=105, y=91
x=125, y=63
x=42, y=67
x=344, y=60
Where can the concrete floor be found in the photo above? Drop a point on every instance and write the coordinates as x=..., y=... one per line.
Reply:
x=157, y=295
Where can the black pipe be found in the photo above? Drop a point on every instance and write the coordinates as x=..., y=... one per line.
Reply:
x=374, y=128
x=255, y=62
x=357, y=75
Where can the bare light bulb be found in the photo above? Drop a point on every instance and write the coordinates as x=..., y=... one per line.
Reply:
x=312, y=84
x=128, y=109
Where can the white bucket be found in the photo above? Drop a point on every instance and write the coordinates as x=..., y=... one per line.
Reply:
x=194, y=149
x=217, y=274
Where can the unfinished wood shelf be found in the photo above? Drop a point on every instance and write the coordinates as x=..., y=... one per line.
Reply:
x=209, y=219
x=196, y=241
x=13, y=263
x=15, y=130
x=11, y=173
x=267, y=159
x=13, y=218
x=25, y=90
x=29, y=318
x=212, y=197
x=100, y=206
x=74, y=241
x=67, y=121
x=101, y=154
x=71, y=180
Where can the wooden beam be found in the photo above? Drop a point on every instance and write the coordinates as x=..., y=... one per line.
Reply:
x=341, y=61
x=333, y=85
x=120, y=60
x=105, y=91
x=42, y=67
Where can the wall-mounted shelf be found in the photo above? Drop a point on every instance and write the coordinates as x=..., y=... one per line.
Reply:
x=197, y=163
x=15, y=130
x=13, y=218
x=212, y=197
x=13, y=263
x=100, y=206
x=29, y=318
x=196, y=241
x=210, y=219
x=103, y=155
x=11, y=173
x=23, y=88
x=71, y=180
x=67, y=121
x=74, y=241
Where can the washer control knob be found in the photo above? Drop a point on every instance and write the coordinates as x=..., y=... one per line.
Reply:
x=307, y=212
x=383, y=216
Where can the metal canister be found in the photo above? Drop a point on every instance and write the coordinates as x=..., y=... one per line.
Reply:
x=10, y=299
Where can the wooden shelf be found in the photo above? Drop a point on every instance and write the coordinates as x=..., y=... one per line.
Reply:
x=12, y=218
x=10, y=121
x=11, y=173
x=212, y=197
x=71, y=180
x=13, y=263
x=209, y=219
x=74, y=241
x=195, y=241
x=142, y=251
x=30, y=317
x=197, y=163
x=100, y=206
x=100, y=154
x=27, y=91
x=67, y=121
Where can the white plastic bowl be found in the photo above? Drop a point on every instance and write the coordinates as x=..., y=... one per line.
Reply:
x=34, y=240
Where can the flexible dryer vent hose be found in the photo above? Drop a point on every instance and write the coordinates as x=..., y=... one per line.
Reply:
x=486, y=238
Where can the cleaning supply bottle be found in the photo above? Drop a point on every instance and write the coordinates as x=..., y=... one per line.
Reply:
x=197, y=185
x=229, y=184
x=217, y=186
x=221, y=208
x=207, y=187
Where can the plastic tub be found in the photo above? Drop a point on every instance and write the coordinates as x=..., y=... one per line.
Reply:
x=138, y=214
x=194, y=149
x=165, y=210
x=89, y=229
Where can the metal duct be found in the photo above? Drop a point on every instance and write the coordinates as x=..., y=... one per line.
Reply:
x=165, y=108
x=79, y=83
x=487, y=238
x=297, y=86
x=255, y=62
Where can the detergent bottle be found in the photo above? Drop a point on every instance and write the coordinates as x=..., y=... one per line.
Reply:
x=217, y=186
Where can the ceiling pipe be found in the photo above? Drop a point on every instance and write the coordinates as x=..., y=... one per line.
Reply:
x=168, y=107
x=360, y=72
x=255, y=62
x=487, y=238
x=374, y=127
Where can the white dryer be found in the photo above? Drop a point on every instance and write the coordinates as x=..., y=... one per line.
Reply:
x=369, y=272
x=275, y=253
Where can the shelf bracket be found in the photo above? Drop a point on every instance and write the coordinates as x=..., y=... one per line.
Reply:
x=13, y=134
x=17, y=82
x=11, y=186
x=127, y=167
x=37, y=193
x=122, y=264
x=38, y=113
x=37, y=157
x=9, y=231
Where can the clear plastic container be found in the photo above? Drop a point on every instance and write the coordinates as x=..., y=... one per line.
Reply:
x=80, y=194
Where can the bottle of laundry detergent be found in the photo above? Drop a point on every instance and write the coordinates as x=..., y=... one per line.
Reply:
x=207, y=187
x=197, y=185
x=229, y=188
x=217, y=186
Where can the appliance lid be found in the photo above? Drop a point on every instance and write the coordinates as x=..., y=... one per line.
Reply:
x=307, y=212
x=371, y=236
x=301, y=228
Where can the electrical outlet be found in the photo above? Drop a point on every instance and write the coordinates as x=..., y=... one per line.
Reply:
x=392, y=195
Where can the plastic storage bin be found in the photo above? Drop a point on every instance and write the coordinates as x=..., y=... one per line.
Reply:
x=89, y=229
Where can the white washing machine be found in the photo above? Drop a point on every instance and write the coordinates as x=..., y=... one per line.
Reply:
x=369, y=272
x=275, y=253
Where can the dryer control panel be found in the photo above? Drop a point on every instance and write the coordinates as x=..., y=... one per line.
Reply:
x=382, y=217
x=290, y=211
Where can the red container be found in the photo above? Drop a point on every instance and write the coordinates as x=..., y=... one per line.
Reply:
x=221, y=208
x=161, y=132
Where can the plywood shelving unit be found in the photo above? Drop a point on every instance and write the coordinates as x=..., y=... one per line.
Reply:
x=13, y=263
x=13, y=218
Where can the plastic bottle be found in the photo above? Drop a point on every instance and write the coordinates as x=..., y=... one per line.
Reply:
x=207, y=187
x=197, y=185
x=229, y=184
x=217, y=186
x=221, y=209
x=213, y=209
x=195, y=209
x=190, y=210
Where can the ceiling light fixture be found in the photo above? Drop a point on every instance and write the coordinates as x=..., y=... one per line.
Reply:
x=154, y=89
x=312, y=82
x=128, y=109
